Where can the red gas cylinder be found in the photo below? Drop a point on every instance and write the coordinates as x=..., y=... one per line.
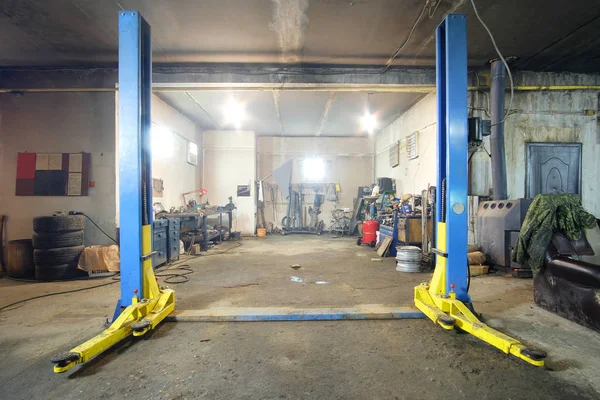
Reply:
x=369, y=235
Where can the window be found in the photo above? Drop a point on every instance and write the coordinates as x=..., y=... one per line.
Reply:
x=313, y=170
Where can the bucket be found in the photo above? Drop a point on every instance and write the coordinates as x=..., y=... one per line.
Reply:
x=261, y=232
x=20, y=259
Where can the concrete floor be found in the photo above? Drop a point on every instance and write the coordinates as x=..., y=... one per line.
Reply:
x=309, y=360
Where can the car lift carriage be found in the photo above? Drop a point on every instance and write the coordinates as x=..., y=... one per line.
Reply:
x=143, y=304
x=445, y=300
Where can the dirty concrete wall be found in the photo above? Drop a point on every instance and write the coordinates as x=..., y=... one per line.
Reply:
x=348, y=162
x=169, y=157
x=536, y=116
x=58, y=123
x=229, y=160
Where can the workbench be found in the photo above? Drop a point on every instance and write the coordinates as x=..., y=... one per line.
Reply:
x=195, y=226
x=410, y=231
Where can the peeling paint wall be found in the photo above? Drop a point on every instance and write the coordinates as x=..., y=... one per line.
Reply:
x=538, y=116
x=289, y=23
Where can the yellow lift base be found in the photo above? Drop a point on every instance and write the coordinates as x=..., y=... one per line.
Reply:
x=140, y=317
x=448, y=312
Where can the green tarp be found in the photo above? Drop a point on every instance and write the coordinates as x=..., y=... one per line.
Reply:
x=547, y=214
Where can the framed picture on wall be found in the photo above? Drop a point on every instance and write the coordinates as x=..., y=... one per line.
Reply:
x=243, y=191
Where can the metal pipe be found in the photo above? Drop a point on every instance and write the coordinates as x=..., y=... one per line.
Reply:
x=555, y=87
x=497, y=92
x=383, y=88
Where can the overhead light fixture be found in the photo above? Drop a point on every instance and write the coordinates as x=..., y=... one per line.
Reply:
x=369, y=121
x=235, y=113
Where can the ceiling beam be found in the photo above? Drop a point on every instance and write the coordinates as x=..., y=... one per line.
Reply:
x=276, y=97
x=219, y=75
x=328, y=106
x=216, y=124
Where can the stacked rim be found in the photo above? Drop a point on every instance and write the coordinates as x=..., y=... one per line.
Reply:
x=408, y=259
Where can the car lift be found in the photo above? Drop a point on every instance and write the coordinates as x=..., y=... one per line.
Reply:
x=445, y=300
x=138, y=311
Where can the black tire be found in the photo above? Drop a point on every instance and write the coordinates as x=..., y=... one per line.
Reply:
x=55, y=272
x=372, y=244
x=58, y=240
x=358, y=241
x=58, y=223
x=52, y=257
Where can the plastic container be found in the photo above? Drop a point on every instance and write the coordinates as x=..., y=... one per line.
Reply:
x=261, y=232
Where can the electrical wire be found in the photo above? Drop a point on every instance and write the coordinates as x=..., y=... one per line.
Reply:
x=432, y=13
x=176, y=278
x=100, y=229
x=403, y=45
x=510, y=77
x=57, y=293
x=239, y=244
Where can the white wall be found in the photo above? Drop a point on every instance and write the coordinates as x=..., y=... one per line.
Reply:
x=556, y=116
x=229, y=160
x=412, y=176
x=349, y=163
x=177, y=174
x=58, y=123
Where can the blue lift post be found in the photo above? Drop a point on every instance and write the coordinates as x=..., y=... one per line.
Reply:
x=452, y=135
x=143, y=304
x=135, y=166
x=445, y=300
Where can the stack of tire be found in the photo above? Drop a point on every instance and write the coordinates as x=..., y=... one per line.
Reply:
x=57, y=243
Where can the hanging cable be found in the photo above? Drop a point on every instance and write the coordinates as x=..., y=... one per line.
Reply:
x=403, y=45
x=510, y=77
x=434, y=8
x=95, y=224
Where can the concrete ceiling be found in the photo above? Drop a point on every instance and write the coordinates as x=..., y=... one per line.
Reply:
x=273, y=113
x=544, y=34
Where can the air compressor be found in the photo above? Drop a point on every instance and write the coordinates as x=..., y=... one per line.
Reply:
x=369, y=234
